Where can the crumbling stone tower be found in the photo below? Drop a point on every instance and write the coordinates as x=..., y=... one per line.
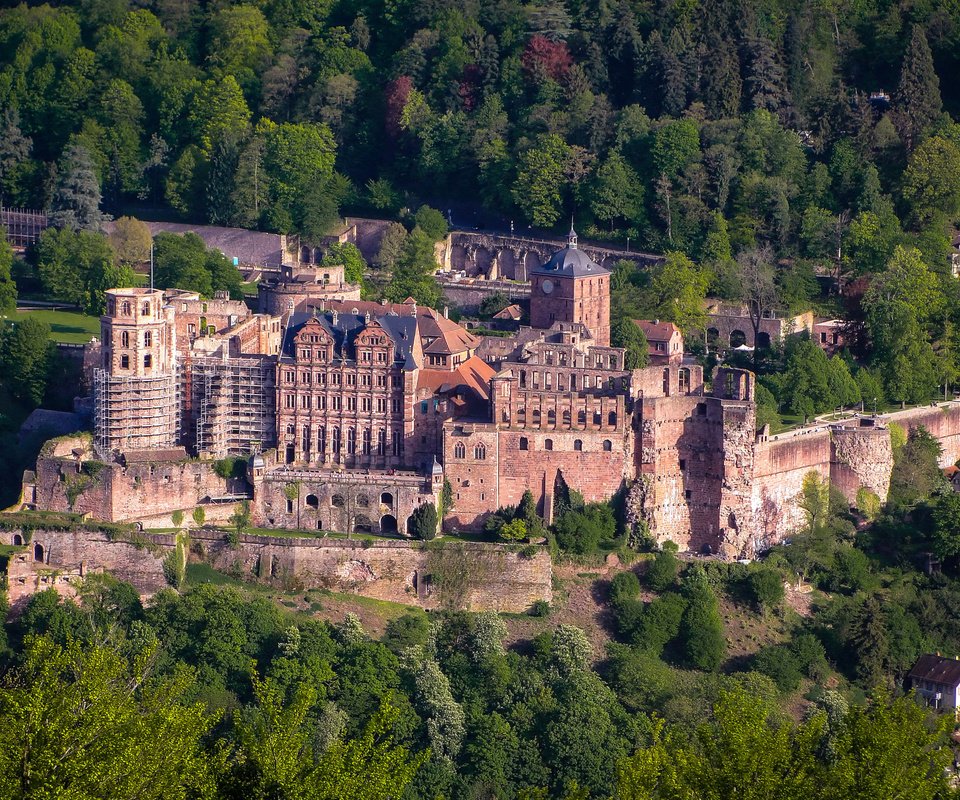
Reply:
x=571, y=287
x=135, y=390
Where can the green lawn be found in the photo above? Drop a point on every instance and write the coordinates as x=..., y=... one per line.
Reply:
x=65, y=326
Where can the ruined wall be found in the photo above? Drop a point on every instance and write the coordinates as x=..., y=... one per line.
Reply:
x=861, y=457
x=340, y=501
x=514, y=257
x=114, y=493
x=943, y=422
x=464, y=575
x=680, y=461
x=780, y=466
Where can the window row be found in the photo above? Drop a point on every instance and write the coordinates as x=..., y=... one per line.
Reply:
x=347, y=440
x=147, y=338
x=561, y=359
x=336, y=379
x=126, y=309
x=125, y=361
x=322, y=354
x=479, y=451
x=577, y=445
x=532, y=380
x=337, y=403
x=536, y=417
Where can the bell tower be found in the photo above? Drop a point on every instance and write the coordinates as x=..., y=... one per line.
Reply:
x=571, y=287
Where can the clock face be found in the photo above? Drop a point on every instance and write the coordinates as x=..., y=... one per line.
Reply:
x=547, y=286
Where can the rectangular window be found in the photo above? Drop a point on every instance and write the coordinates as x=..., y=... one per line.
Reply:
x=381, y=405
x=290, y=401
x=351, y=404
x=305, y=401
x=364, y=403
x=124, y=362
x=148, y=339
x=423, y=407
x=322, y=402
x=147, y=360
x=305, y=378
x=351, y=380
x=336, y=403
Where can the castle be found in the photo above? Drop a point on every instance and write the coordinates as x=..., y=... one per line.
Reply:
x=352, y=413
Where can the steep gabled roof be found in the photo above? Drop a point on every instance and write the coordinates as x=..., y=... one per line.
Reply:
x=936, y=669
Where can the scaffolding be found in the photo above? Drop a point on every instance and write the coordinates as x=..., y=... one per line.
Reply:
x=134, y=413
x=23, y=226
x=234, y=400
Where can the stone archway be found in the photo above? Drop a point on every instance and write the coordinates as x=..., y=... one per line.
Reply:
x=17, y=540
x=388, y=524
x=737, y=338
x=38, y=554
x=362, y=524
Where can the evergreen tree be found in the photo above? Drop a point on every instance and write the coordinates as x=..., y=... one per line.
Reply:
x=765, y=86
x=14, y=152
x=869, y=643
x=76, y=199
x=25, y=355
x=917, y=98
x=8, y=288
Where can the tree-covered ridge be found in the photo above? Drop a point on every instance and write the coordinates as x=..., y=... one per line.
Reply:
x=661, y=121
x=214, y=695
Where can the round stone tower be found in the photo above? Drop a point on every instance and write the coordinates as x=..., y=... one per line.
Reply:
x=135, y=397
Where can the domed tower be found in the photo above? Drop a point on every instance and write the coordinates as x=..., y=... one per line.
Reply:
x=135, y=398
x=571, y=287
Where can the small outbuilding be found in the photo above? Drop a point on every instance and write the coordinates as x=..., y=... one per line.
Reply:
x=936, y=679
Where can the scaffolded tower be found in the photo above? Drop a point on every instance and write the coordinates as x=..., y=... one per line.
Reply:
x=235, y=399
x=136, y=399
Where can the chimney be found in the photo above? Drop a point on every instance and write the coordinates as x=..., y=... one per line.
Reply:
x=414, y=309
x=366, y=317
x=335, y=317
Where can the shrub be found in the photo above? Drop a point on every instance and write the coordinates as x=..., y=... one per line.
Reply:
x=662, y=573
x=766, y=588
x=704, y=645
x=779, y=663
x=624, y=586
x=423, y=522
x=660, y=622
x=540, y=608
x=582, y=531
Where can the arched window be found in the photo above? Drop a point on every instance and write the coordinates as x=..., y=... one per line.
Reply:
x=386, y=499
x=607, y=445
x=335, y=441
x=313, y=501
x=337, y=501
x=363, y=501
x=566, y=416
x=612, y=419
x=581, y=417
x=351, y=441
x=125, y=339
x=536, y=415
x=459, y=451
x=125, y=308
x=578, y=445
x=38, y=552
x=551, y=417
x=597, y=418
x=480, y=452
x=381, y=442
x=548, y=444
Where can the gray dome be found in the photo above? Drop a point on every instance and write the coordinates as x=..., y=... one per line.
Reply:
x=571, y=261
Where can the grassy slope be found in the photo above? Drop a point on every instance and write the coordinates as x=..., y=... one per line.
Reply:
x=65, y=326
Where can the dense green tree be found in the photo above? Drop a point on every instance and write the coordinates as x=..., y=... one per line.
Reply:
x=14, y=154
x=76, y=199
x=704, y=645
x=184, y=262
x=78, y=716
x=423, y=522
x=413, y=272
x=347, y=255
x=627, y=334
x=541, y=180
x=79, y=266
x=677, y=292
x=8, y=288
x=931, y=183
x=918, y=95
x=131, y=241
x=25, y=353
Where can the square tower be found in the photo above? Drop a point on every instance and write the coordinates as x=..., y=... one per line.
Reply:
x=572, y=287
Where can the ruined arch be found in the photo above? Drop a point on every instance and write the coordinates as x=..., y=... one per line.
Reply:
x=313, y=501
x=386, y=499
x=38, y=552
x=362, y=524
x=17, y=540
x=388, y=524
x=737, y=338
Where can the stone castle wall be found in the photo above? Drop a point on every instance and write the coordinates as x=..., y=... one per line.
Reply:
x=469, y=575
x=115, y=493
